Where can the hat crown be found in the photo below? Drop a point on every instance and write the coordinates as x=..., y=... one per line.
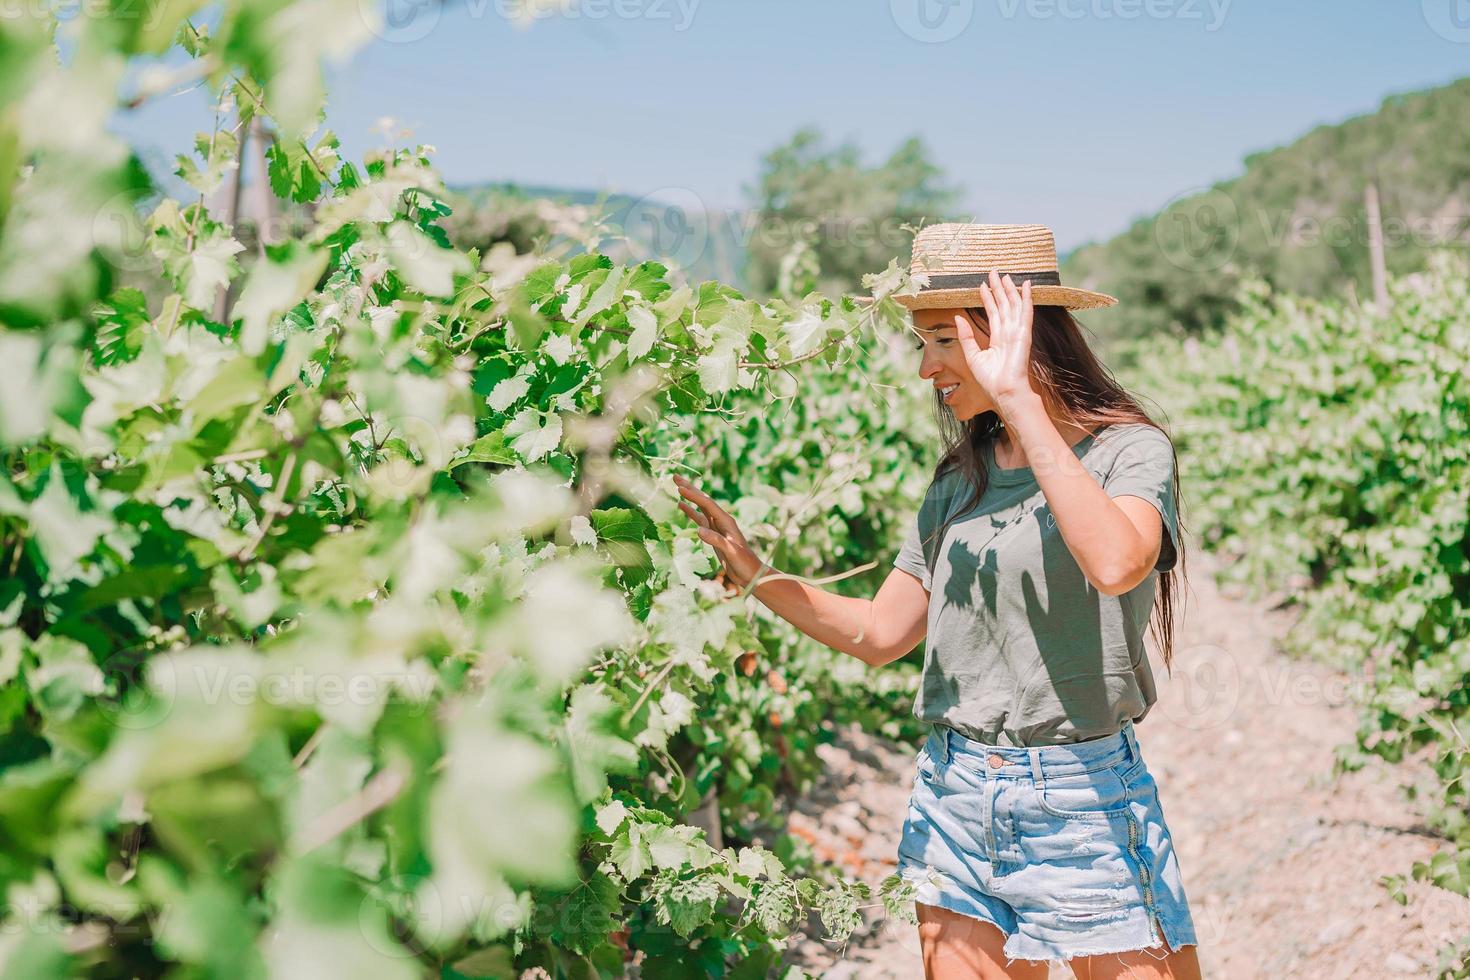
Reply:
x=952, y=262
x=953, y=248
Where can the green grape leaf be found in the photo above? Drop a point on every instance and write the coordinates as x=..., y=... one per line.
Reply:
x=629, y=852
x=684, y=904
x=274, y=286
x=590, y=739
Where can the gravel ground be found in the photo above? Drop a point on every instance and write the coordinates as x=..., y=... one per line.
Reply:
x=1280, y=861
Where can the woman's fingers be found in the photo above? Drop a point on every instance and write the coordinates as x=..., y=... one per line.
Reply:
x=701, y=499
x=969, y=336
x=992, y=313
x=1020, y=314
x=720, y=544
x=1013, y=309
x=1011, y=301
x=1028, y=312
x=999, y=314
x=718, y=519
x=716, y=529
x=1002, y=299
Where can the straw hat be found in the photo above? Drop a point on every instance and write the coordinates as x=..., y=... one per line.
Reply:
x=958, y=257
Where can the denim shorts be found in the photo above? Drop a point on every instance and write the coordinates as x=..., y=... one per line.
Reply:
x=1062, y=847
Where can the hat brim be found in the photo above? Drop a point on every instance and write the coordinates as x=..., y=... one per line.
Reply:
x=1064, y=296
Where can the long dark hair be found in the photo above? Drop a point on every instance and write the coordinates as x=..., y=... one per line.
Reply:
x=1067, y=373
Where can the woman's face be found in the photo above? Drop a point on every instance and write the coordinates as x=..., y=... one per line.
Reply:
x=943, y=360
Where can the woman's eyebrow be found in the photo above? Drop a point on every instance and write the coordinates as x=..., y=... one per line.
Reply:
x=979, y=325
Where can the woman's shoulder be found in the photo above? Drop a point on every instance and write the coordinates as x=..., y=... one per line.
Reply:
x=1120, y=435
x=944, y=482
x=944, y=490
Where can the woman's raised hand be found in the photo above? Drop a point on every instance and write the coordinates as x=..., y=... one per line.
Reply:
x=718, y=529
x=1004, y=368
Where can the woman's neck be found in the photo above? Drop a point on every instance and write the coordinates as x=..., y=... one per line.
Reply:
x=1010, y=455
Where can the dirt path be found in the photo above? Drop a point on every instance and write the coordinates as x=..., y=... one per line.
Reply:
x=1279, y=861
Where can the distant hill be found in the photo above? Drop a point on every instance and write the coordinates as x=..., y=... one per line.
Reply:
x=570, y=195
x=697, y=244
x=1295, y=217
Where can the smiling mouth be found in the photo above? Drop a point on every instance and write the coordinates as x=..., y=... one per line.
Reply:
x=946, y=394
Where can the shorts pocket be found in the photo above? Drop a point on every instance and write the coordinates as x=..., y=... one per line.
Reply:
x=1133, y=771
x=1084, y=795
x=925, y=765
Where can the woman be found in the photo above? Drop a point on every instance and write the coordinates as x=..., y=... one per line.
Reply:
x=1034, y=831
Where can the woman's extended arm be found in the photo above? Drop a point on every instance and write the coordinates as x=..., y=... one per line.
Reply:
x=876, y=631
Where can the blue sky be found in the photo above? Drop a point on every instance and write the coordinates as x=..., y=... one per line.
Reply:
x=1080, y=114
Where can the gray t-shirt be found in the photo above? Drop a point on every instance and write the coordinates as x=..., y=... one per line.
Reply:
x=1021, y=649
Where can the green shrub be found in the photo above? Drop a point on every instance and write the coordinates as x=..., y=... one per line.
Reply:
x=1326, y=454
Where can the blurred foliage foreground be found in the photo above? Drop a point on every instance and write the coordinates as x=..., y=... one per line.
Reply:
x=348, y=626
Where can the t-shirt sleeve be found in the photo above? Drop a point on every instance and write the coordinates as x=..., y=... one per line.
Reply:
x=911, y=555
x=1144, y=467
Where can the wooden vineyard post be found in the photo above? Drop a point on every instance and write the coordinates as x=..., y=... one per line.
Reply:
x=1375, y=246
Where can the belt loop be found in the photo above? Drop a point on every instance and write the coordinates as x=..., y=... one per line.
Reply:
x=1036, y=775
x=941, y=744
x=1128, y=733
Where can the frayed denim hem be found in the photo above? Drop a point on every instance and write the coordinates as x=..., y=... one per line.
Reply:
x=1053, y=953
x=928, y=892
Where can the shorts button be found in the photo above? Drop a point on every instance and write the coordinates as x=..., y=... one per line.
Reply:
x=996, y=762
